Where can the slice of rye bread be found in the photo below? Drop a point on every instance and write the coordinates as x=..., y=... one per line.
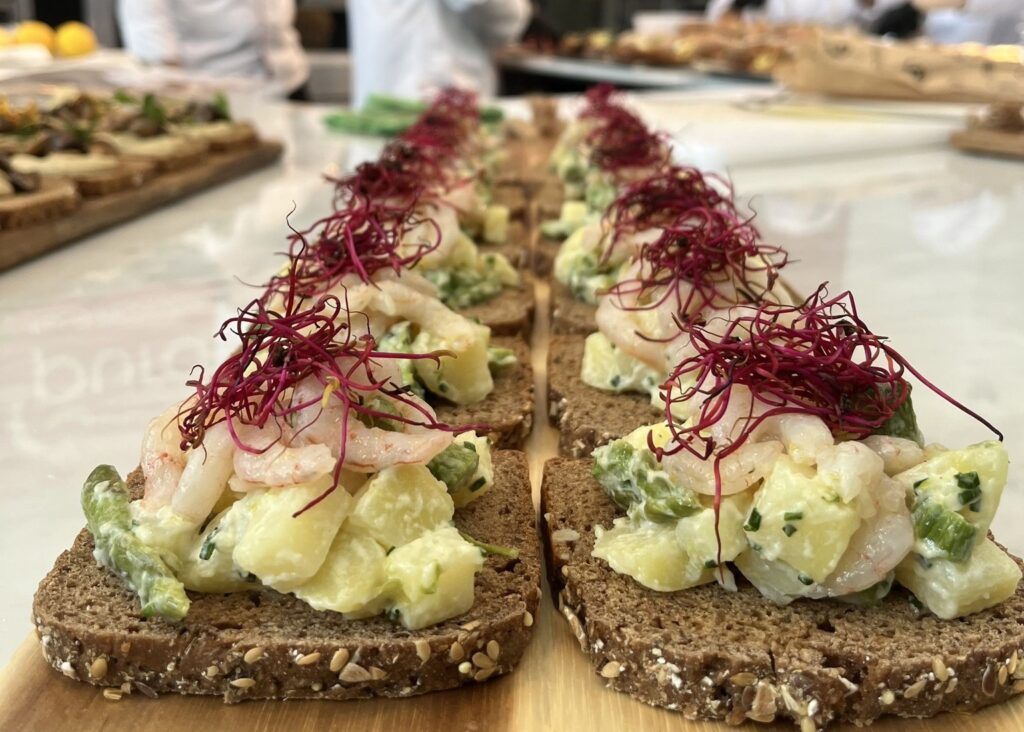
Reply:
x=510, y=313
x=587, y=417
x=569, y=315
x=736, y=656
x=128, y=174
x=84, y=612
x=55, y=197
x=508, y=409
x=515, y=248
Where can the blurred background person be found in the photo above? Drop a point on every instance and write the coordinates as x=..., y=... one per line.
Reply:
x=229, y=39
x=412, y=48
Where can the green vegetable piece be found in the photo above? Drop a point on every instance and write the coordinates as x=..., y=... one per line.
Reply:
x=632, y=479
x=948, y=531
x=788, y=529
x=499, y=358
x=753, y=521
x=903, y=422
x=209, y=545
x=105, y=504
x=221, y=106
x=392, y=104
x=462, y=287
x=495, y=549
x=454, y=466
x=372, y=420
x=153, y=110
x=804, y=579
x=398, y=339
x=123, y=97
x=970, y=490
x=793, y=515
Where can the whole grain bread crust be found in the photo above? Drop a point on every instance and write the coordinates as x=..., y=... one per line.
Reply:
x=569, y=315
x=510, y=313
x=507, y=412
x=56, y=197
x=587, y=417
x=737, y=657
x=262, y=644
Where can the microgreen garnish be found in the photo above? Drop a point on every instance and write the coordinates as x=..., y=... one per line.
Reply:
x=277, y=351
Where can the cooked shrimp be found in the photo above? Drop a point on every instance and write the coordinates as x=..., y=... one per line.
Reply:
x=622, y=328
x=162, y=459
x=395, y=300
x=851, y=469
x=280, y=462
x=740, y=470
x=897, y=453
x=439, y=224
x=802, y=435
x=206, y=473
x=881, y=542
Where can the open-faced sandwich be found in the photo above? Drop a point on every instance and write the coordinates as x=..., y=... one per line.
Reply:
x=305, y=523
x=28, y=198
x=437, y=179
x=138, y=129
x=670, y=249
x=211, y=122
x=783, y=543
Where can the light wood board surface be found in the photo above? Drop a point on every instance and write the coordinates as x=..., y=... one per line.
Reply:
x=95, y=214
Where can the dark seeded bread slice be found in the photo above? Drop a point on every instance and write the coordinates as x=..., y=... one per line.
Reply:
x=510, y=313
x=508, y=410
x=587, y=417
x=735, y=656
x=54, y=198
x=83, y=612
x=128, y=174
x=569, y=315
x=544, y=254
x=549, y=197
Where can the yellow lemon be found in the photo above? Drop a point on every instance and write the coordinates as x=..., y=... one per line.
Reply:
x=75, y=39
x=34, y=32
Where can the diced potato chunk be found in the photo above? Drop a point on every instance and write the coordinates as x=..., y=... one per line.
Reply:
x=282, y=549
x=938, y=478
x=496, y=224
x=696, y=533
x=650, y=554
x=464, y=377
x=351, y=577
x=609, y=368
x=433, y=577
x=210, y=566
x=401, y=503
x=638, y=437
x=951, y=589
x=800, y=520
x=483, y=478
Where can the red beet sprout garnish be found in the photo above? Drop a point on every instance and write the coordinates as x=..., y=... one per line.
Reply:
x=360, y=239
x=707, y=258
x=276, y=352
x=447, y=125
x=619, y=140
x=662, y=198
x=817, y=358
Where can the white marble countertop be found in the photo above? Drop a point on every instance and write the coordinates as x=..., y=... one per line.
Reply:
x=97, y=338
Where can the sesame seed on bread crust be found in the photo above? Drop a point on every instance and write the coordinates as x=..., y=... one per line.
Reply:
x=737, y=657
x=263, y=644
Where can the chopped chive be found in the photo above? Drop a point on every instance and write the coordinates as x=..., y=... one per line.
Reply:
x=804, y=579
x=788, y=529
x=793, y=515
x=753, y=521
x=477, y=484
x=710, y=564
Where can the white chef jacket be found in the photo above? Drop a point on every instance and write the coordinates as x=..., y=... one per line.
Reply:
x=982, y=21
x=412, y=48
x=233, y=39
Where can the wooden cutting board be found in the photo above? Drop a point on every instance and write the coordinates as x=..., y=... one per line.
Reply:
x=95, y=214
x=554, y=688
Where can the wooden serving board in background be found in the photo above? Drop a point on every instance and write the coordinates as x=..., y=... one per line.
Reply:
x=554, y=687
x=19, y=245
x=990, y=142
